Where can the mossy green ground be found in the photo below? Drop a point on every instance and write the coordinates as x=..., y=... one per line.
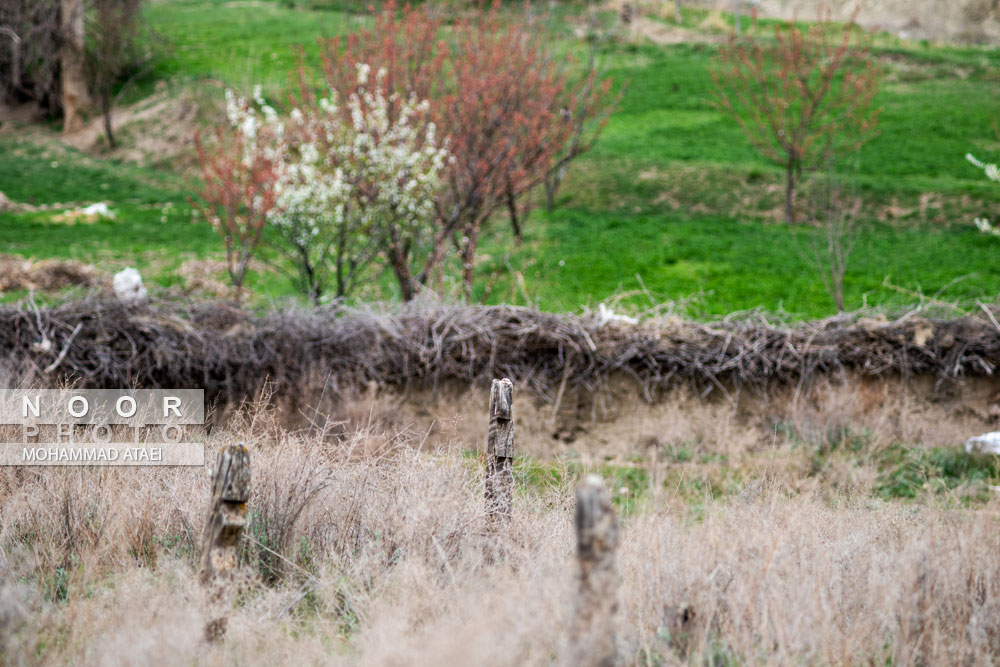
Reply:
x=672, y=201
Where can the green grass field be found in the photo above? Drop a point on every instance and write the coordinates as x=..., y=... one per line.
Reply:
x=672, y=201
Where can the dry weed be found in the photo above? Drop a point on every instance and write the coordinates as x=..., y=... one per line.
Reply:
x=378, y=558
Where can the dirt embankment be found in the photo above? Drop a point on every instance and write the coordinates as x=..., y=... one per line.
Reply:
x=583, y=381
x=975, y=21
x=233, y=352
x=619, y=425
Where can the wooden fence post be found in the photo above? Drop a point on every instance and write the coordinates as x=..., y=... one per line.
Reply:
x=593, y=636
x=500, y=452
x=226, y=519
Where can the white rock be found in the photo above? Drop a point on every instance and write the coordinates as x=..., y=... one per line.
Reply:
x=99, y=209
x=987, y=443
x=128, y=286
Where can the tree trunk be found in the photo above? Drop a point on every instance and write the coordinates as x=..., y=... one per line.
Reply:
x=315, y=291
x=552, y=182
x=401, y=269
x=15, y=56
x=838, y=282
x=108, y=130
x=515, y=221
x=469, y=257
x=75, y=96
x=790, y=193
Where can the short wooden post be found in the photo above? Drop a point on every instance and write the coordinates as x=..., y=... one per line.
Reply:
x=500, y=452
x=593, y=636
x=224, y=526
x=627, y=13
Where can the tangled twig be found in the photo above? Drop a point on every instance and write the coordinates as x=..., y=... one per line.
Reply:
x=234, y=354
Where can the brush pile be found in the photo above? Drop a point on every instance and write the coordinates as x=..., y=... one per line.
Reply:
x=235, y=354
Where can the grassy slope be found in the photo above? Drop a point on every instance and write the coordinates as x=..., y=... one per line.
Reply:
x=236, y=44
x=241, y=44
x=613, y=224
x=582, y=253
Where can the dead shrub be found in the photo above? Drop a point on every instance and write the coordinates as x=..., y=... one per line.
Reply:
x=338, y=352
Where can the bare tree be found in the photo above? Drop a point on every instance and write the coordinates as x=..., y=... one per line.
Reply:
x=586, y=109
x=113, y=54
x=238, y=191
x=61, y=55
x=8, y=33
x=804, y=96
x=29, y=53
x=497, y=90
x=834, y=213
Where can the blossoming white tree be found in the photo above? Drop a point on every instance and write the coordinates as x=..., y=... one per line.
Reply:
x=350, y=182
x=992, y=173
x=394, y=161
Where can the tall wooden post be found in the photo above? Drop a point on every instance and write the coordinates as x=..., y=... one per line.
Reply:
x=593, y=637
x=226, y=520
x=500, y=452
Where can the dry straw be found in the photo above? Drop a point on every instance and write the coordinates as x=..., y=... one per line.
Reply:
x=384, y=565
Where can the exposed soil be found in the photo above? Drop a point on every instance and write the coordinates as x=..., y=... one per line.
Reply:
x=620, y=424
x=968, y=21
x=641, y=28
x=158, y=128
x=18, y=273
x=8, y=205
x=956, y=21
x=206, y=276
x=578, y=371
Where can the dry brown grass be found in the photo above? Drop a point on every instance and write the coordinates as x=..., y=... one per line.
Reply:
x=366, y=546
x=619, y=424
x=18, y=273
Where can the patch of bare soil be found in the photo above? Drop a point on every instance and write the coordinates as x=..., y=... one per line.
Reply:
x=975, y=21
x=649, y=21
x=48, y=274
x=8, y=205
x=664, y=33
x=205, y=276
x=901, y=69
x=762, y=196
x=620, y=424
x=157, y=128
x=642, y=29
x=12, y=118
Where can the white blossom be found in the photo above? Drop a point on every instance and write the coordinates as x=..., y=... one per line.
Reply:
x=992, y=173
x=984, y=226
x=363, y=70
x=357, y=175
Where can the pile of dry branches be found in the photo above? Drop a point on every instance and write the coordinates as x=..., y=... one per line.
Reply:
x=234, y=354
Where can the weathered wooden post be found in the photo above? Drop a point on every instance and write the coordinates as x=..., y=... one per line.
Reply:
x=593, y=637
x=226, y=519
x=627, y=13
x=500, y=453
